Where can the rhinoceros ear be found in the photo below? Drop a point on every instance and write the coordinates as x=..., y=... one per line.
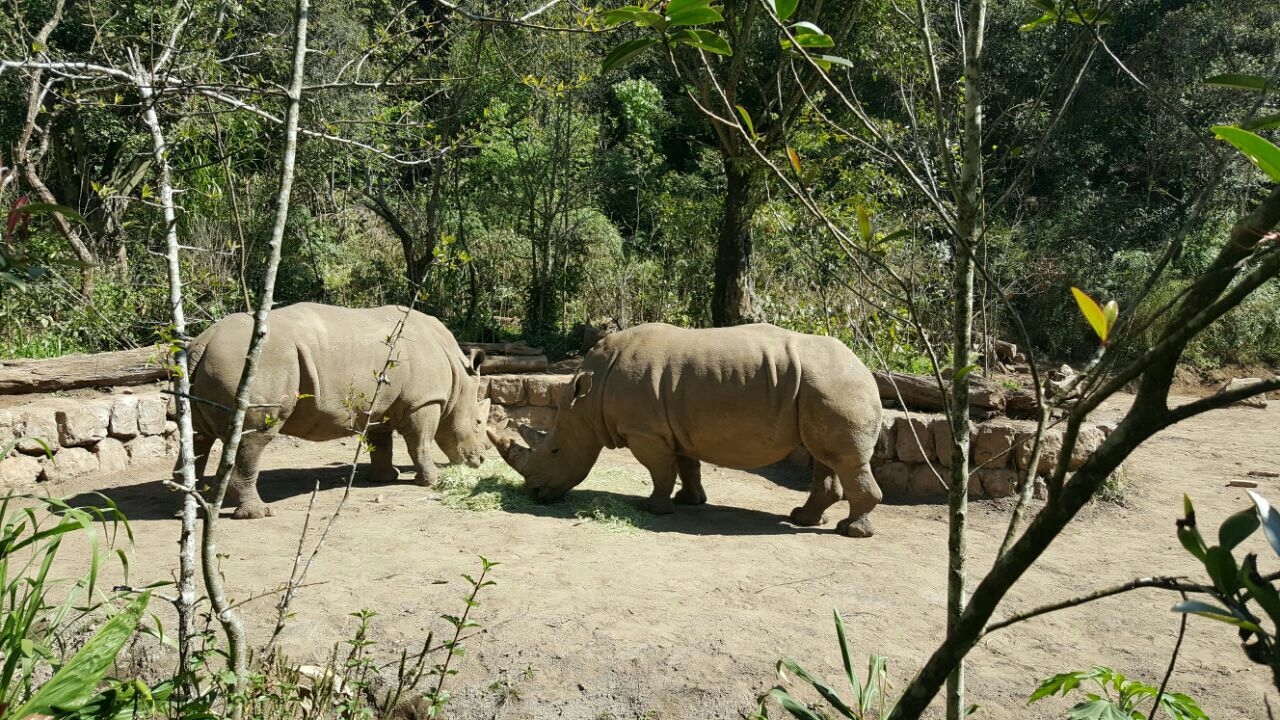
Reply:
x=581, y=386
x=475, y=358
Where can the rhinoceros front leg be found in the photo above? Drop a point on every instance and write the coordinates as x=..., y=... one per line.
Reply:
x=824, y=491
x=420, y=428
x=690, y=471
x=381, y=469
x=244, y=481
x=660, y=461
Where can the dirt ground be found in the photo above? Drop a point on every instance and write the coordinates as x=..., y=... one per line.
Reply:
x=687, y=617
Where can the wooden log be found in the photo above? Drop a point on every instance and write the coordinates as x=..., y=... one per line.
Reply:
x=518, y=347
x=127, y=367
x=922, y=393
x=1003, y=350
x=495, y=364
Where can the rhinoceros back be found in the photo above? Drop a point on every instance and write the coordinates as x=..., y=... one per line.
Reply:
x=735, y=396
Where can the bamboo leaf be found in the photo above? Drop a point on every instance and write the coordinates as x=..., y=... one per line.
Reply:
x=1259, y=150
x=1092, y=312
x=1213, y=612
x=795, y=160
x=746, y=118
x=1242, y=82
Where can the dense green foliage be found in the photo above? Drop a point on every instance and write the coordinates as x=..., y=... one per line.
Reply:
x=538, y=191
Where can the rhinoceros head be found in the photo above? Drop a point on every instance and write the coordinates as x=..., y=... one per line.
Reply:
x=462, y=432
x=557, y=461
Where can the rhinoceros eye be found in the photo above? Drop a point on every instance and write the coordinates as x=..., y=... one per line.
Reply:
x=555, y=450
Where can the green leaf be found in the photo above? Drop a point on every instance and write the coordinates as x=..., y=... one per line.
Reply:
x=637, y=15
x=1259, y=150
x=1214, y=612
x=1242, y=82
x=826, y=691
x=1262, y=592
x=1045, y=19
x=625, y=52
x=1099, y=709
x=1093, y=313
x=77, y=681
x=49, y=209
x=1045, y=5
x=706, y=40
x=676, y=6
x=1222, y=569
x=831, y=60
x=1237, y=527
x=1266, y=122
x=804, y=27
x=746, y=119
x=964, y=372
x=784, y=8
x=1061, y=683
x=790, y=704
x=795, y=160
x=811, y=40
x=1270, y=520
x=844, y=655
x=695, y=16
x=864, y=225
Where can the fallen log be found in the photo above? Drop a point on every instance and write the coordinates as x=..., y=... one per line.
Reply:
x=922, y=393
x=1003, y=350
x=518, y=347
x=126, y=367
x=495, y=364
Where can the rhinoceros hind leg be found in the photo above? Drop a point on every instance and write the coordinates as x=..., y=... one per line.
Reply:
x=824, y=491
x=381, y=469
x=244, y=480
x=418, y=432
x=690, y=472
x=864, y=494
x=660, y=461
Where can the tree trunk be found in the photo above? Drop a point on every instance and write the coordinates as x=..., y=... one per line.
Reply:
x=733, y=297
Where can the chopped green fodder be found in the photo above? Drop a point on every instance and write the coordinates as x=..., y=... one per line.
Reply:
x=495, y=486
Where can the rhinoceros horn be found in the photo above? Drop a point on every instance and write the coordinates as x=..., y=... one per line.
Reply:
x=532, y=438
x=511, y=451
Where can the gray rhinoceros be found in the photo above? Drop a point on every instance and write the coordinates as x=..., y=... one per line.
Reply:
x=316, y=379
x=741, y=397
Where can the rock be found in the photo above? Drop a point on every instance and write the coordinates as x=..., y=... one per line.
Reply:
x=1087, y=441
x=124, y=417
x=82, y=423
x=482, y=391
x=894, y=479
x=152, y=411
x=885, y=446
x=1049, y=450
x=1062, y=372
x=1040, y=490
x=941, y=430
x=1243, y=483
x=146, y=447
x=998, y=482
x=111, y=454
x=1019, y=359
x=538, y=418
x=993, y=445
x=72, y=462
x=1257, y=401
x=925, y=482
x=18, y=469
x=506, y=389
x=913, y=440
x=170, y=406
x=172, y=439
x=36, y=424
x=546, y=390
x=6, y=427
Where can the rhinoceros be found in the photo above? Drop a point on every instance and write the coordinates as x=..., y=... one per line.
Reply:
x=317, y=377
x=741, y=397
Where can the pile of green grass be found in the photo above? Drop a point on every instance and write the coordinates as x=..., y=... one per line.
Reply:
x=495, y=486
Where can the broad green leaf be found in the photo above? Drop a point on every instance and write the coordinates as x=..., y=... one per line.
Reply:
x=1099, y=709
x=815, y=40
x=1270, y=520
x=1236, y=528
x=1222, y=569
x=676, y=6
x=832, y=60
x=695, y=16
x=864, y=225
x=1266, y=122
x=1093, y=313
x=795, y=160
x=746, y=118
x=797, y=709
x=1061, y=683
x=77, y=681
x=706, y=40
x=625, y=52
x=1214, y=612
x=1242, y=82
x=1259, y=150
x=804, y=27
x=1262, y=592
x=1045, y=5
x=638, y=15
x=1045, y=19
x=784, y=8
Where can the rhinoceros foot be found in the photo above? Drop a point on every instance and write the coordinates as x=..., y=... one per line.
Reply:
x=383, y=474
x=252, y=511
x=860, y=528
x=659, y=506
x=806, y=518
x=689, y=496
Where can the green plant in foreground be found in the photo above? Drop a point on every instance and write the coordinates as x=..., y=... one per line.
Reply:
x=1118, y=698
x=867, y=700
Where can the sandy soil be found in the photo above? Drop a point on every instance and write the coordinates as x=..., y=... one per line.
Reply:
x=686, y=618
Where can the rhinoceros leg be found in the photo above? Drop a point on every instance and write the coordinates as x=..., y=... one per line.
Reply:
x=660, y=461
x=864, y=494
x=824, y=491
x=381, y=469
x=691, y=492
x=245, y=478
x=420, y=428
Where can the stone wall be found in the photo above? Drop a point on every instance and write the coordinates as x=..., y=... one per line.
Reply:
x=86, y=433
x=906, y=462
